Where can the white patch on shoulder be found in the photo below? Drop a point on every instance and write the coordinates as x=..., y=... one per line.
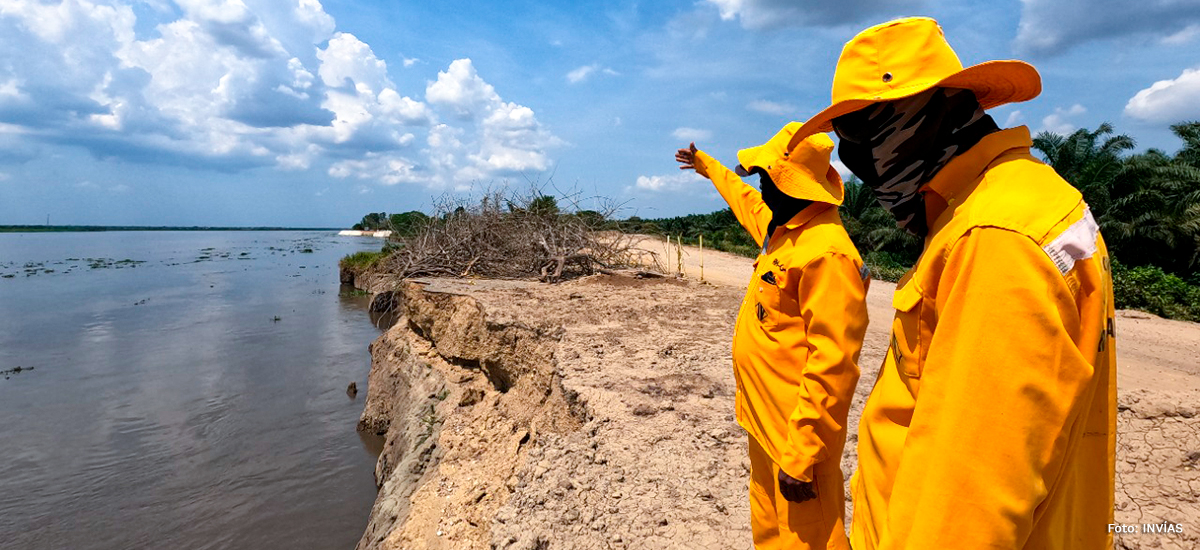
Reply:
x=1076, y=243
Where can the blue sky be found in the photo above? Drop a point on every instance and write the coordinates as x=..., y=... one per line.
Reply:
x=301, y=113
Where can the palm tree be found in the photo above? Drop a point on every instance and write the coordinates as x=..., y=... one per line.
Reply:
x=871, y=227
x=1089, y=160
x=1154, y=217
x=1189, y=132
x=1148, y=204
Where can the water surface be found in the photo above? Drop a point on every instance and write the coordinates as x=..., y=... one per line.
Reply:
x=188, y=391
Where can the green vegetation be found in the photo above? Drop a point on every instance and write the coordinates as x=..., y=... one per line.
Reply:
x=361, y=261
x=886, y=249
x=430, y=421
x=1151, y=289
x=372, y=222
x=407, y=224
x=404, y=224
x=721, y=231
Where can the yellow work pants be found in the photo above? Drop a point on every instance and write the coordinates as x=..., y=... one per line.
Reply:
x=778, y=524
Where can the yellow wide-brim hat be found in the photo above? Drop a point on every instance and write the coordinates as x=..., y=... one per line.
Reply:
x=802, y=171
x=905, y=57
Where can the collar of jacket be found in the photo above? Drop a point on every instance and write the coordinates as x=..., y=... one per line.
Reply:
x=799, y=220
x=806, y=215
x=957, y=176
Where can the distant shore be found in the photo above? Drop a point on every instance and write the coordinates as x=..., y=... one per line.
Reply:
x=91, y=228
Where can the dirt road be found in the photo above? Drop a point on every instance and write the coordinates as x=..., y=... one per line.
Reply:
x=1153, y=353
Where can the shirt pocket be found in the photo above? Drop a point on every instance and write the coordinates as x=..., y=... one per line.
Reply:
x=911, y=333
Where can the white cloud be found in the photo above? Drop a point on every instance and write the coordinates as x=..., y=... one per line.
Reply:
x=460, y=88
x=838, y=165
x=1014, y=118
x=583, y=73
x=409, y=61
x=759, y=14
x=513, y=140
x=386, y=169
x=234, y=84
x=691, y=134
x=510, y=138
x=348, y=62
x=1058, y=123
x=771, y=107
x=673, y=182
x=1168, y=101
x=1184, y=36
x=1053, y=26
x=580, y=74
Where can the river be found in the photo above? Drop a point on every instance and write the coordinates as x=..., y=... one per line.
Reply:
x=182, y=390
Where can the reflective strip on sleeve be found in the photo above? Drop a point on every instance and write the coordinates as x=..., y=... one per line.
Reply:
x=1076, y=243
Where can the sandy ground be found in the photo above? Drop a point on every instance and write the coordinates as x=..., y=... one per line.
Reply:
x=1152, y=353
x=643, y=450
x=1158, y=379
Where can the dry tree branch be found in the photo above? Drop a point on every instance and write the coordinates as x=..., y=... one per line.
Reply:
x=507, y=234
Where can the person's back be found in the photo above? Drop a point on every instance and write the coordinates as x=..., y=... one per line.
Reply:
x=992, y=423
x=936, y=471
x=797, y=338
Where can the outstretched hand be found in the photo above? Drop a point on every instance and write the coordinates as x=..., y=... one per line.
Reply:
x=687, y=157
x=795, y=490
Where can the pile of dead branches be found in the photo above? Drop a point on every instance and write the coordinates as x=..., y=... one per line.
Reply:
x=511, y=235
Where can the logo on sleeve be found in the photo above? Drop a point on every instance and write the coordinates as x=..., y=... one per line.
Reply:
x=1077, y=242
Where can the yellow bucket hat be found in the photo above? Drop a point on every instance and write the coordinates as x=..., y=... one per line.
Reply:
x=907, y=56
x=802, y=171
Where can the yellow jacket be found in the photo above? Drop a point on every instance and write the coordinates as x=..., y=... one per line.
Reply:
x=993, y=422
x=796, y=342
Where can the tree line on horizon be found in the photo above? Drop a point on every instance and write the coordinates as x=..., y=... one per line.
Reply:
x=1147, y=205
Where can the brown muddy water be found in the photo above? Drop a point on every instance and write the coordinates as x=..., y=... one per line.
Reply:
x=188, y=390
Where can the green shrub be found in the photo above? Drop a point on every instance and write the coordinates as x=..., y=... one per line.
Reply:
x=731, y=246
x=885, y=266
x=361, y=261
x=1151, y=289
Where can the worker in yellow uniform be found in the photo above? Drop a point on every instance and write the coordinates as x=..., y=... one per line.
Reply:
x=993, y=421
x=797, y=338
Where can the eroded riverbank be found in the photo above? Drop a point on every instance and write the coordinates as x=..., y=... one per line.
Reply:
x=638, y=448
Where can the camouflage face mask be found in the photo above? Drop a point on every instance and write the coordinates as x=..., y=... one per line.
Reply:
x=898, y=146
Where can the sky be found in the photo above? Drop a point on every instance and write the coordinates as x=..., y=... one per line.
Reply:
x=303, y=113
